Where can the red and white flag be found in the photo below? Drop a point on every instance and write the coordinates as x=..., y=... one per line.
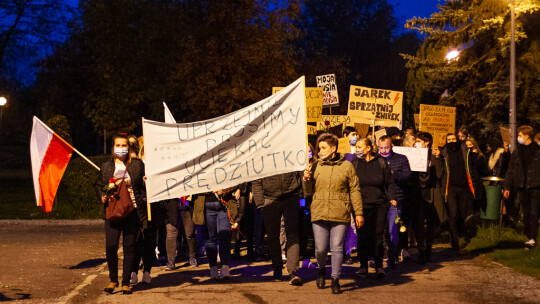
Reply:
x=50, y=156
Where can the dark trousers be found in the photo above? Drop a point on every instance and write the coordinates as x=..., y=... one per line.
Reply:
x=218, y=231
x=246, y=227
x=129, y=227
x=424, y=214
x=530, y=204
x=370, y=236
x=146, y=249
x=258, y=230
x=186, y=218
x=458, y=200
x=288, y=208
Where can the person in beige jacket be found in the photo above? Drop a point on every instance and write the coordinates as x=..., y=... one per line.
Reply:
x=336, y=193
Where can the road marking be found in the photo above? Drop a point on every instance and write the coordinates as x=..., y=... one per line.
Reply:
x=86, y=282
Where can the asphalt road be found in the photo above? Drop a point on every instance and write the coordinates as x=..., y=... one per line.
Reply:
x=63, y=262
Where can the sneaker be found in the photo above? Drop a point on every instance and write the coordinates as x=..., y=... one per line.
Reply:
x=170, y=266
x=348, y=260
x=146, y=278
x=134, y=278
x=380, y=273
x=295, y=280
x=214, y=273
x=371, y=263
x=362, y=272
x=530, y=244
x=225, y=273
x=193, y=262
x=312, y=265
x=284, y=258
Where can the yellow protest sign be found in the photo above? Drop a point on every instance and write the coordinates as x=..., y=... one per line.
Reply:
x=312, y=130
x=314, y=102
x=438, y=121
x=333, y=121
x=375, y=106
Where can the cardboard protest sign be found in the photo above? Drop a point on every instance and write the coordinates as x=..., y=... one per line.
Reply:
x=330, y=93
x=314, y=103
x=375, y=106
x=438, y=121
x=380, y=133
x=263, y=139
x=333, y=120
x=344, y=146
x=311, y=130
x=418, y=157
x=505, y=134
x=361, y=129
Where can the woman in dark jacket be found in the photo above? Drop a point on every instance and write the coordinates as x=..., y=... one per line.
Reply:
x=122, y=166
x=377, y=184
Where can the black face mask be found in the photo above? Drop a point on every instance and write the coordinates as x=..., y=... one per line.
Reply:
x=454, y=145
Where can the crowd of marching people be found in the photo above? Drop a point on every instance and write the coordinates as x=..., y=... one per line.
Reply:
x=367, y=201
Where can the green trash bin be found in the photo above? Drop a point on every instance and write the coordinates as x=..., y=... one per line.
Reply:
x=493, y=198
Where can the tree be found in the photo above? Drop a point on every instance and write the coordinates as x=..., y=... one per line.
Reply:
x=27, y=28
x=478, y=82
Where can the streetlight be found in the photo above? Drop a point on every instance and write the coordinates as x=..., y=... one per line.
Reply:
x=452, y=55
x=513, y=112
x=3, y=102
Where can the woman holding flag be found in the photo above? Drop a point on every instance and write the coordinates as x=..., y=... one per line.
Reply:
x=121, y=167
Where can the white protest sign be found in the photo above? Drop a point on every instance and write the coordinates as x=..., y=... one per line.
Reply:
x=330, y=93
x=263, y=139
x=418, y=157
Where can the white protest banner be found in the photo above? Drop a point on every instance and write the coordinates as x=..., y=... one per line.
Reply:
x=169, y=118
x=418, y=157
x=375, y=106
x=328, y=83
x=263, y=139
x=314, y=103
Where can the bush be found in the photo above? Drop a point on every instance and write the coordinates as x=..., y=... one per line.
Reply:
x=76, y=197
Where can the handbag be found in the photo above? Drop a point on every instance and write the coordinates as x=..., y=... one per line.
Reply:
x=119, y=204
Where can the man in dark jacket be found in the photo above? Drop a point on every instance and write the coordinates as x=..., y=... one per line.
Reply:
x=401, y=172
x=523, y=176
x=457, y=183
x=278, y=196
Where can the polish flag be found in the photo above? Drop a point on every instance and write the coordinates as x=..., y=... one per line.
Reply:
x=50, y=155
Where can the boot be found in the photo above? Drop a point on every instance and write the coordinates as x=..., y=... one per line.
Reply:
x=336, y=288
x=321, y=282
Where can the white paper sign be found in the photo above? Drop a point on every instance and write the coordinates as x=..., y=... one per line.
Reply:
x=330, y=93
x=418, y=157
x=264, y=139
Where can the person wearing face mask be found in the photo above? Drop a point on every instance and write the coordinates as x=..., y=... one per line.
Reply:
x=458, y=183
x=336, y=194
x=523, y=177
x=401, y=172
x=122, y=166
x=424, y=200
x=350, y=133
x=377, y=184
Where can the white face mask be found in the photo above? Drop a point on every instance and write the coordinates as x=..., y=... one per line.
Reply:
x=121, y=152
x=418, y=145
x=323, y=156
x=520, y=140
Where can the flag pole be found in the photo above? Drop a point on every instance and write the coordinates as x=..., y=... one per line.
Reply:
x=307, y=131
x=148, y=209
x=74, y=150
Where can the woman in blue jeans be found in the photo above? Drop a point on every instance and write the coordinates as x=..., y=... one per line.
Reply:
x=336, y=194
x=211, y=209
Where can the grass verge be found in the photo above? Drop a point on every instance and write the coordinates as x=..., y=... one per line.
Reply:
x=505, y=245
